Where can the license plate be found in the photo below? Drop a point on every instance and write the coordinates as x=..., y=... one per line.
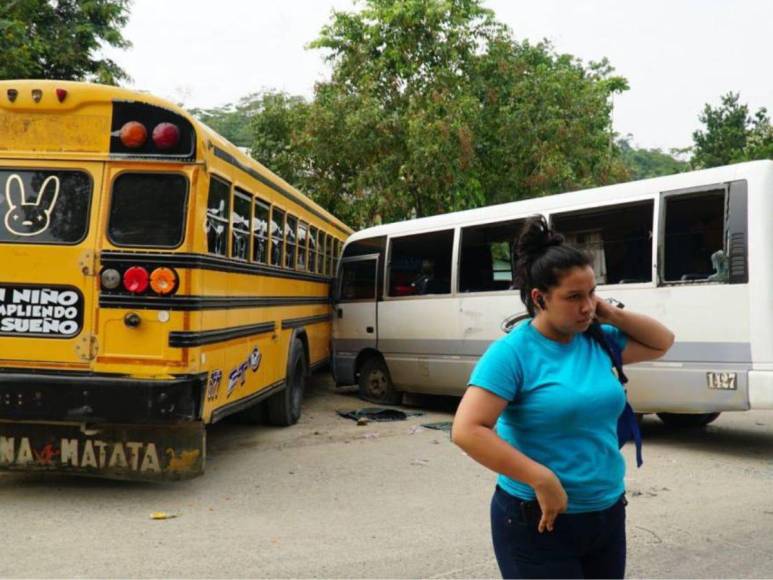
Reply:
x=130, y=452
x=722, y=381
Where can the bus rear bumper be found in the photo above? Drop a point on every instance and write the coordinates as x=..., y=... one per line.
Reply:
x=109, y=426
x=168, y=452
x=98, y=398
x=761, y=389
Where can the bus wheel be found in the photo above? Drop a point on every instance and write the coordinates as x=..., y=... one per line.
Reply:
x=284, y=408
x=376, y=384
x=685, y=421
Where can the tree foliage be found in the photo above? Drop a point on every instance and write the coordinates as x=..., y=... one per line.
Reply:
x=731, y=134
x=60, y=39
x=644, y=163
x=438, y=109
x=433, y=106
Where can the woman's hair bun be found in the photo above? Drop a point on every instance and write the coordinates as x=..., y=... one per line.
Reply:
x=536, y=237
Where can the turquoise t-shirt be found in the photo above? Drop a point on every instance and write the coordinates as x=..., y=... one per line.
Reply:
x=565, y=400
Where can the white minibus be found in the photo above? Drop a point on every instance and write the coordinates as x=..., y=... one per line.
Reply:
x=418, y=302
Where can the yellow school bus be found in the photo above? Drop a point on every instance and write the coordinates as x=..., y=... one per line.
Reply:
x=153, y=279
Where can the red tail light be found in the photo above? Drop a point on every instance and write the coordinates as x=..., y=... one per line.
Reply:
x=61, y=94
x=166, y=136
x=135, y=279
x=133, y=135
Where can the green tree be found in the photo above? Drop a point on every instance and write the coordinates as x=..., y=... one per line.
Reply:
x=60, y=39
x=731, y=134
x=643, y=163
x=433, y=107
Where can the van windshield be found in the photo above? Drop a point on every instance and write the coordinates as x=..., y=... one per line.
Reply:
x=42, y=206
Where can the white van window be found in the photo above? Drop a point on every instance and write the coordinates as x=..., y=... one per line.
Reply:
x=618, y=239
x=486, y=260
x=358, y=280
x=694, y=246
x=421, y=264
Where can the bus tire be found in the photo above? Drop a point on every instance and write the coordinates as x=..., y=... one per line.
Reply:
x=687, y=421
x=284, y=408
x=375, y=383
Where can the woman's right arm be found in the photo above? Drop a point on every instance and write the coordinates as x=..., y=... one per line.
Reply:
x=473, y=431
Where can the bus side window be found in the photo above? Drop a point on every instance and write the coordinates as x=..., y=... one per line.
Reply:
x=260, y=232
x=277, y=235
x=618, y=239
x=217, y=216
x=303, y=239
x=485, y=260
x=328, y=255
x=291, y=236
x=421, y=264
x=694, y=241
x=240, y=225
x=313, y=233
x=336, y=256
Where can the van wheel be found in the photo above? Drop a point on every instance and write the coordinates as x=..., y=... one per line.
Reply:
x=284, y=408
x=376, y=384
x=686, y=421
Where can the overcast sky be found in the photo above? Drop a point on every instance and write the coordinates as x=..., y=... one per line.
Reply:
x=676, y=54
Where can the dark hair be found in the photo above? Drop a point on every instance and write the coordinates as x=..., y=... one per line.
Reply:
x=541, y=258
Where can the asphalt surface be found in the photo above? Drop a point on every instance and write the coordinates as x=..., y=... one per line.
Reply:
x=329, y=498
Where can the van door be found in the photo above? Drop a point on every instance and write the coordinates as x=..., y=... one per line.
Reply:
x=355, y=325
x=48, y=217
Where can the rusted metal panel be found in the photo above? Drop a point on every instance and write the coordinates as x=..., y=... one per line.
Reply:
x=129, y=452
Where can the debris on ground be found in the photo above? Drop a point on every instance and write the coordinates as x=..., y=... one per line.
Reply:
x=440, y=426
x=162, y=516
x=378, y=414
x=422, y=462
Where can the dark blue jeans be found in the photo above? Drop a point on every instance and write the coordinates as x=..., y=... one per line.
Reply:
x=586, y=545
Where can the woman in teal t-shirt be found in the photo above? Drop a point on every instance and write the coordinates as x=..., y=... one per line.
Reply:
x=542, y=410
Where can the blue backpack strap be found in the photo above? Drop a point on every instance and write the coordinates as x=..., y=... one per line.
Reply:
x=627, y=425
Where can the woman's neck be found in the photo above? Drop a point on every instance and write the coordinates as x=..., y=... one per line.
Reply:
x=543, y=326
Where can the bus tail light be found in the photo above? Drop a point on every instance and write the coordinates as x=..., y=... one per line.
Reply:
x=110, y=279
x=135, y=279
x=61, y=94
x=12, y=94
x=133, y=135
x=166, y=136
x=163, y=281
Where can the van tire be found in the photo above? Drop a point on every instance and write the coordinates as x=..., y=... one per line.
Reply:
x=687, y=421
x=284, y=408
x=375, y=383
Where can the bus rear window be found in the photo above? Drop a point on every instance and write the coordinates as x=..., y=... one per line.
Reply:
x=148, y=210
x=44, y=207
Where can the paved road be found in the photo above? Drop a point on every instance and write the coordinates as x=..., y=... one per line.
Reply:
x=333, y=499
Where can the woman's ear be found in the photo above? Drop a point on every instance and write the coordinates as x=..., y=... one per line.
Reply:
x=537, y=298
